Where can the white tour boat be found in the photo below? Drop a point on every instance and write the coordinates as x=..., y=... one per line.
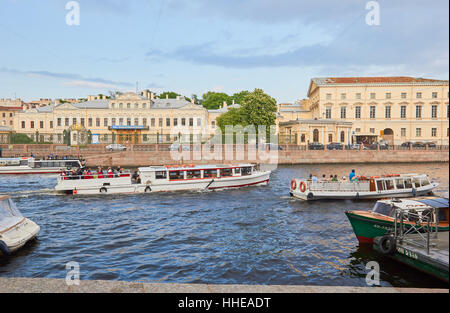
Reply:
x=33, y=166
x=375, y=187
x=165, y=178
x=15, y=230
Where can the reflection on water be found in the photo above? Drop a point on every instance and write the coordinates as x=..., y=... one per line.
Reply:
x=255, y=235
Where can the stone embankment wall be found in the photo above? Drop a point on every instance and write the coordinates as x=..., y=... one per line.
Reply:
x=144, y=155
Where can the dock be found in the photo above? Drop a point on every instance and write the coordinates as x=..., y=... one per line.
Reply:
x=43, y=285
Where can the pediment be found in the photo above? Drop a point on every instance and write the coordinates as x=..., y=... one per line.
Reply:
x=128, y=96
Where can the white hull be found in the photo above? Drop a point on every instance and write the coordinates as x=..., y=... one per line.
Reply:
x=97, y=186
x=16, y=237
x=322, y=195
x=25, y=170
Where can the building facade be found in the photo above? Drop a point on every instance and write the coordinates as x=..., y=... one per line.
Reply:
x=390, y=109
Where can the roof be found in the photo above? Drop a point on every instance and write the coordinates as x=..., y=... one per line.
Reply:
x=10, y=108
x=374, y=80
x=422, y=202
x=190, y=168
x=169, y=103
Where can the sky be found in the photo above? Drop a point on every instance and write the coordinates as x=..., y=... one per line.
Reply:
x=196, y=46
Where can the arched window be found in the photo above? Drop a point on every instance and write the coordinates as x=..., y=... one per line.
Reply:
x=330, y=137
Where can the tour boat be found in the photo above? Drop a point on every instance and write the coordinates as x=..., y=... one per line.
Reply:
x=379, y=221
x=15, y=230
x=33, y=166
x=165, y=178
x=374, y=187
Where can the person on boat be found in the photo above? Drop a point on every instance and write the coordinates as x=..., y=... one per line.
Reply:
x=352, y=175
x=110, y=173
x=335, y=178
x=314, y=179
x=100, y=173
x=135, y=177
x=324, y=177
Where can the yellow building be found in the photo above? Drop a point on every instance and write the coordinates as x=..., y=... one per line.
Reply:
x=393, y=109
x=126, y=118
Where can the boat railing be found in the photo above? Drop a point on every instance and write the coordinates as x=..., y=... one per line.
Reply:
x=94, y=176
x=416, y=229
x=354, y=186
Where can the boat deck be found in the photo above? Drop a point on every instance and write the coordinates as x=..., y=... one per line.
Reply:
x=439, y=247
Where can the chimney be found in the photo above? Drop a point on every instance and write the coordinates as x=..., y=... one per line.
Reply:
x=167, y=96
x=233, y=101
x=225, y=105
x=178, y=97
x=152, y=95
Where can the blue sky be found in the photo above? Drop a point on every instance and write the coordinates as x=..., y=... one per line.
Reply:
x=195, y=46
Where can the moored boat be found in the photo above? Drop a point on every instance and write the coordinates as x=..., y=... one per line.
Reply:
x=164, y=179
x=374, y=187
x=15, y=166
x=15, y=230
x=379, y=221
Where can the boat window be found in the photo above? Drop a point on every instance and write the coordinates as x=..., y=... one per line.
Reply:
x=161, y=175
x=237, y=171
x=226, y=172
x=210, y=173
x=23, y=162
x=399, y=183
x=246, y=171
x=408, y=183
x=382, y=208
x=380, y=185
x=442, y=215
x=194, y=174
x=175, y=175
x=424, y=182
x=417, y=182
x=389, y=184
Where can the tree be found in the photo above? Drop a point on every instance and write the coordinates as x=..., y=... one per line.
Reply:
x=259, y=108
x=239, y=96
x=172, y=95
x=213, y=100
x=232, y=117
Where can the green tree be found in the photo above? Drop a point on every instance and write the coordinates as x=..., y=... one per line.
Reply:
x=232, y=117
x=239, y=96
x=213, y=100
x=259, y=108
x=172, y=95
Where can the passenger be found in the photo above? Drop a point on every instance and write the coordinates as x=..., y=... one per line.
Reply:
x=335, y=178
x=314, y=179
x=324, y=177
x=135, y=177
x=110, y=173
x=352, y=175
x=344, y=178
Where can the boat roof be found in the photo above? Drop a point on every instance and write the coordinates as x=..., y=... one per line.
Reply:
x=192, y=167
x=419, y=203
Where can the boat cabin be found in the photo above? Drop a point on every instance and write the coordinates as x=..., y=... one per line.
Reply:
x=33, y=163
x=194, y=172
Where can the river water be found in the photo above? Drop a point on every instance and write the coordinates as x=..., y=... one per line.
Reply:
x=253, y=235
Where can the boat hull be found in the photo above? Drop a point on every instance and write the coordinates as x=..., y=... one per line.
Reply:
x=18, y=235
x=367, y=229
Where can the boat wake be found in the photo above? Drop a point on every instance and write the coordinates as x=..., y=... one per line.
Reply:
x=26, y=193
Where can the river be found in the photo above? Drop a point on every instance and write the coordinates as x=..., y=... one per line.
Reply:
x=253, y=235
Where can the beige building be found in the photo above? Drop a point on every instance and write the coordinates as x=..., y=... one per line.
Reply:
x=393, y=109
x=126, y=118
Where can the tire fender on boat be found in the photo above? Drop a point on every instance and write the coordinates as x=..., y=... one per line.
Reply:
x=387, y=245
x=148, y=189
x=310, y=196
x=4, y=248
x=103, y=190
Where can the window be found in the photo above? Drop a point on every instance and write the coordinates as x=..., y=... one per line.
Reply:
x=372, y=111
x=59, y=122
x=213, y=124
x=136, y=122
x=403, y=95
x=153, y=122
x=357, y=112
x=389, y=184
x=176, y=175
x=51, y=124
x=32, y=124
x=175, y=121
x=121, y=121
x=199, y=122
x=343, y=112
x=343, y=96
x=82, y=121
x=194, y=174
x=342, y=136
x=372, y=95
x=136, y=105
x=419, y=95
x=113, y=105
x=161, y=175
x=408, y=183
x=105, y=122
x=168, y=122
x=128, y=105
x=418, y=132
x=23, y=124
x=388, y=95
x=160, y=122
x=183, y=122
x=191, y=122
x=328, y=112
x=41, y=124
x=128, y=121
x=380, y=185
x=328, y=96
x=403, y=132
x=330, y=138
x=74, y=121
x=113, y=122
x=434, y=111
x=226, y=172
x=418, y=111
x=434, y=95
x=90, y=122
x=144, y=105
x=403, y=111
x=121, y=105
x=358, y=96
x=399, y=183
x=372, y=130
x=358, y=130
x=433, y=132
x=210, y=173
x=66, y=122
x=387, y=111
x=144, y=121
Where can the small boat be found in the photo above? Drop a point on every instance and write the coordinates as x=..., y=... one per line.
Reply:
x=374, y=187
x=14, y=166
x=165, y=178
x=15, y=230
x=381, y=219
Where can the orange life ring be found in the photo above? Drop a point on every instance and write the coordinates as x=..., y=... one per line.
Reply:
x=302, y=186
x=293, y=184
